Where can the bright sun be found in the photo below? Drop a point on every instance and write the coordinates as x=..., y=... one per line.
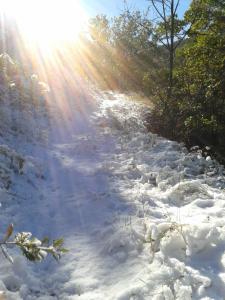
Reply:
x=46, y=23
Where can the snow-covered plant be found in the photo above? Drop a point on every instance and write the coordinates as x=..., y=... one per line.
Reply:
x=32, y=248
x=156, y=234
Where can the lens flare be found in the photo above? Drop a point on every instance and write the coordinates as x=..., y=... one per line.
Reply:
x=46, y=23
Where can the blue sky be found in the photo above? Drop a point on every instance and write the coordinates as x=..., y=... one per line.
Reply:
x=114, y=7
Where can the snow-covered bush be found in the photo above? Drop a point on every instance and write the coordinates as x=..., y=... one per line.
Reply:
x=23, y=117
x=22, y=98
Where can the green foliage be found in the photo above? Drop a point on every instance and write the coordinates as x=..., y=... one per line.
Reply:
x=200, y=75
x=195, y=112
x=32, y=248
x=120, y=53
x=99, y=29
x=131, y=33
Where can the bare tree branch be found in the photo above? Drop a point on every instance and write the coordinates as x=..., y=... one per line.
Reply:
x=158, y=11
x=175, y=10
x=165, y=24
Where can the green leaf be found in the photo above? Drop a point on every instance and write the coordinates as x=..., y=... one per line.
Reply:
x=64, y=250
x=58, y=243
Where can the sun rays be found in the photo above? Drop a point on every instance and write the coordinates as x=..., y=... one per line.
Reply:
x=46, y=23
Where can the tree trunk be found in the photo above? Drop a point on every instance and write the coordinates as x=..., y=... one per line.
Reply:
x=171, y=56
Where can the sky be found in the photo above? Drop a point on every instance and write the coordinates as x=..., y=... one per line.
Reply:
x=114, y=7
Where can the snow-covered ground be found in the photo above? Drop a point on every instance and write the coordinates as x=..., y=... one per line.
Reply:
x=143, y=218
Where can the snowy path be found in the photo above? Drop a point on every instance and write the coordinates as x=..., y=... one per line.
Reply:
x=110, y=188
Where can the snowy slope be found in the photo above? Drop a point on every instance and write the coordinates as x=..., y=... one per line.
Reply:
x=142, y=217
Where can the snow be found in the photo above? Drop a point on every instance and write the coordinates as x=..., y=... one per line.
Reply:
x=142, y=217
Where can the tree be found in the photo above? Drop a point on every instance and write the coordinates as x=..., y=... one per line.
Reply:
x=129, y=35
x=120, y=51
x=200, y=75
x=170, y=32
x=132, y=46
x=96, y=54
x=99, y=29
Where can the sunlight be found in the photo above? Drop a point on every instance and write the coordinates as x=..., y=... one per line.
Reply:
x=46, y=23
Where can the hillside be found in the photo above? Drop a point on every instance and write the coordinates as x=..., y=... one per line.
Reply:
x=142, y=218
